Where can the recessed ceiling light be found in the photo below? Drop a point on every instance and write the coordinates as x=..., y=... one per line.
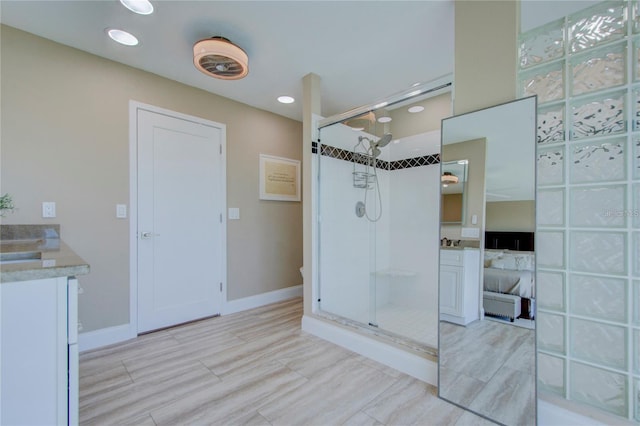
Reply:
x=141, y=7
x=123, y=37
x=416, y=108
x=286, y=99
x=384, y=119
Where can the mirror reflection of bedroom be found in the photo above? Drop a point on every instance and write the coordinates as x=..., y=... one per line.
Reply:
x=487, y=265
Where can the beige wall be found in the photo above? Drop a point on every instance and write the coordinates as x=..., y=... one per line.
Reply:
x=435, y=109
x=475, y=152
x=486, y=35
x=451, y=207
x=65, y=124
x=512, y=216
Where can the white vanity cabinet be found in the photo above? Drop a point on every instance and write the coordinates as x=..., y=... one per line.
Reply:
x=459, y=285
x=39, y=352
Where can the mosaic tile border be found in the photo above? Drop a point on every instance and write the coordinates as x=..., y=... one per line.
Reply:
x=343, y=154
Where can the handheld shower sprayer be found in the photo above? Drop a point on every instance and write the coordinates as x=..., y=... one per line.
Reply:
x=374, y=150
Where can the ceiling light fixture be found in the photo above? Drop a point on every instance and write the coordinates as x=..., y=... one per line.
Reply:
x=416, y=108
x=448, y=178
x=362, y=121
x=219, y=58
x=286, y=99
x=122, y=37
x=383, y=116
x=141, y=7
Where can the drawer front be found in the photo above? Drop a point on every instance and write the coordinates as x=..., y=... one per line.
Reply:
x=452, y=257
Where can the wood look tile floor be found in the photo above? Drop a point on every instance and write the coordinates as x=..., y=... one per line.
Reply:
x=251, y=368
x=490, y=367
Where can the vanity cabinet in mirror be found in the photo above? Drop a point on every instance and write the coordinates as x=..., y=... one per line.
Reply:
x=487, y=364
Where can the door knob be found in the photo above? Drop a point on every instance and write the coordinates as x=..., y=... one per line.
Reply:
x=146, y=235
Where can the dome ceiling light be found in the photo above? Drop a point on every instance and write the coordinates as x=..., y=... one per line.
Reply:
x=448, y=178
x=219, y=58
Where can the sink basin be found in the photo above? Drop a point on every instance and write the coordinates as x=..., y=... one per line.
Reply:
x=19, y=257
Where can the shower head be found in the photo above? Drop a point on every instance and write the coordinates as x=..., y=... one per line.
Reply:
x=384, y=140
x=380, y=143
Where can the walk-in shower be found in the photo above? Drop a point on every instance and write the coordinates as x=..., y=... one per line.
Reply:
x=378, y=198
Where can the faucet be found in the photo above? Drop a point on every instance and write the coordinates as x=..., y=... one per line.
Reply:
x=444, y=242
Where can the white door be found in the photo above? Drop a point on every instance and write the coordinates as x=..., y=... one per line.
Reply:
x=179, y=220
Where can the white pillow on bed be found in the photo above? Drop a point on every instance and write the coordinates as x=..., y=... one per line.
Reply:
x=506, y=262
x=515, y=262
x=490, y=256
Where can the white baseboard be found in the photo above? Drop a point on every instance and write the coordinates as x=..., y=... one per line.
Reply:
x=246, y=303
x=105, y=337
x=110, y=335
x=392, y=356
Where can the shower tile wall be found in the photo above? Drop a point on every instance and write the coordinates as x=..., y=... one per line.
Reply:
x=345, y=239
x=586, y=73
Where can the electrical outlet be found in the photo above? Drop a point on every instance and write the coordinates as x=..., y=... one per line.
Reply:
x=48, y=209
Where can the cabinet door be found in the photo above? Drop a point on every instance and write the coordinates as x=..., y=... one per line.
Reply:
x=34, y=352
x=451, y=290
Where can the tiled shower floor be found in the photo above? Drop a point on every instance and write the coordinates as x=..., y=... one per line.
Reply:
x=416, y=324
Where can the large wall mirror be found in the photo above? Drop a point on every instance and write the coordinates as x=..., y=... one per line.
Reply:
x=487, y=283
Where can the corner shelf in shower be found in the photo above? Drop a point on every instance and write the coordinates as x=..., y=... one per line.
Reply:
x=395, y=273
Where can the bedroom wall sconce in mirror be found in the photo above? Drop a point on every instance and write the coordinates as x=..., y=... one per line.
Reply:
x=486, y=364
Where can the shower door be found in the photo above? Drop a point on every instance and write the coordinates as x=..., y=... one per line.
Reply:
x=347, y=242
x=378, y=207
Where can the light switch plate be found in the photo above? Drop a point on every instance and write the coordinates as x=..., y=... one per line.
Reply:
x=470, y=233
x=234, y=213
x=48, y=209
x=121, y=211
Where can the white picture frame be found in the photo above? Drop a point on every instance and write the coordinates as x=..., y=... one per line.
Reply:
x=279, y=178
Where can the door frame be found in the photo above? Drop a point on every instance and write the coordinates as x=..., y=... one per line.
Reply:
x=134, y=107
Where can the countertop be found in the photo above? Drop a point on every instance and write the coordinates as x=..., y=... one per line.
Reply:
x=457, y=248
x=54, y=259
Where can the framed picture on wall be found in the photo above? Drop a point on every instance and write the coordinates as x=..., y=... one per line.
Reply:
x=279, y=178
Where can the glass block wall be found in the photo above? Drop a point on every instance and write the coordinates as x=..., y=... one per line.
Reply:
x=585, y=69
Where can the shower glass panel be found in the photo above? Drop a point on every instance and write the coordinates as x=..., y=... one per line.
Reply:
x=378, y=215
